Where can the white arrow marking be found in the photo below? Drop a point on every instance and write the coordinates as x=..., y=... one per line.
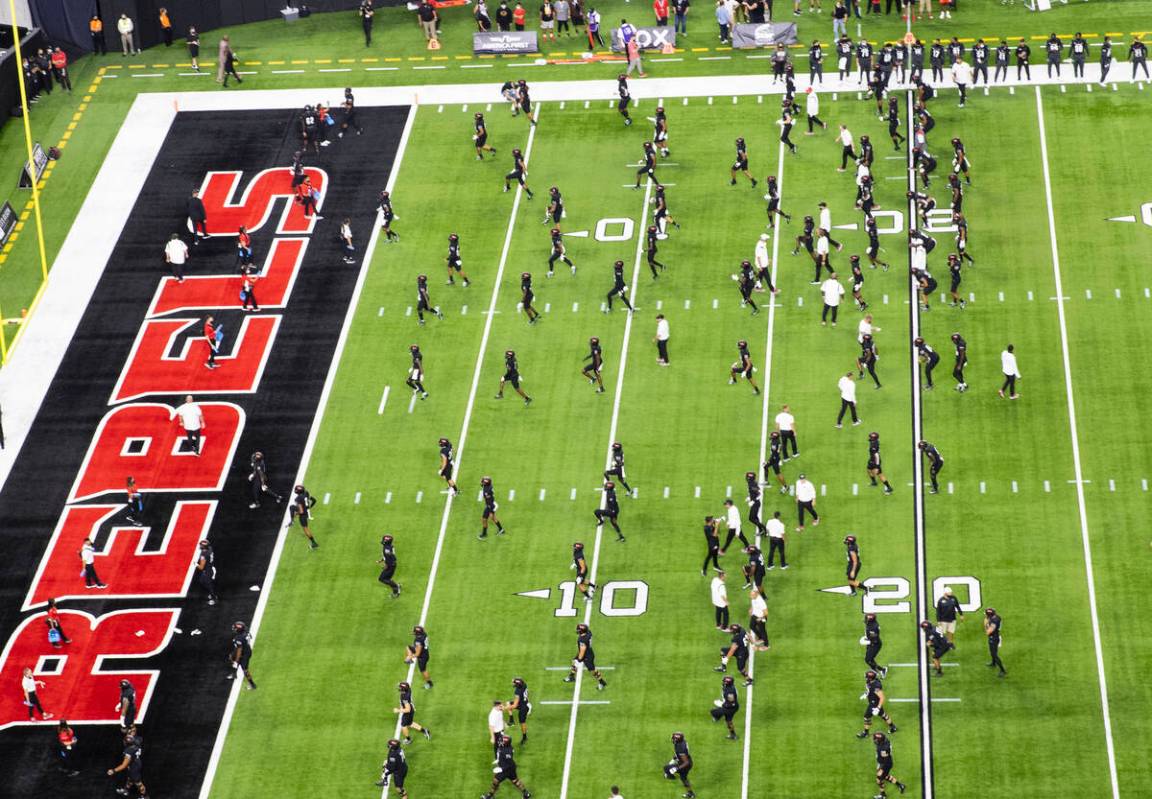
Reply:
x=1122, y=219
x=540, y=593
x=846, y=590
x=578, y=234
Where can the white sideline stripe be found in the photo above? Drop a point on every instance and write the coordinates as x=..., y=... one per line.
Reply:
x=571, y=740
x=569, y=668
x=745, y=768
x=270, y=576
x=1073, y=431
x=934, y=699
x=928, y=781
x=472, y=391
x=914, y=665
x=383, y=400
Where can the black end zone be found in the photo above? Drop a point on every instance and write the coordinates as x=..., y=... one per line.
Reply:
x=191, y=691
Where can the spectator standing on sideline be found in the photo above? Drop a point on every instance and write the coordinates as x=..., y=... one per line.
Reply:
x=594, y=37
x=1011, y=372
x=193, y=40
x=96, y=29
x=176, y=254
x=483, y=21
x=191, y=419
x=563, y=17
x=29, y=684
x=60, y=69
x=198, y=216
x=839, y=20
x=504, y=16
x=166, y=27
x=230, y=67
x=680, y=7
x=723, y=20
x=221, y=55
x=720, y=600
x=547, y=21
x=660, y=9
x=88, y=557
x=519, y=16
x=662, y=335
x=428, y=17
x=366, y=12
x=634, y=62
x=126, y=28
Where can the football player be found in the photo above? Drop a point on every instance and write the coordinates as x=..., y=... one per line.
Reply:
x=512, y=375
x=875, y=468
x=610, y=510
x=737, y=648
x=619, y=287
x=586, y=657
x=407, y=714
x=616, y=469
x=852, y=568
x=417, y=652
x=884, y=765
x=446, y=465
x=558, y=252
x=480, y=138
x=938, y=643
x=727, y=705
x=519, y=708
x=743, y=367
x=489, y=513
x=415, y=379
x=455, y=264
x=505, y=770
x=595, y=358
x=740, y=165
x=395, y=768
x=580, y=564
x=874, y=693
x=681, y=764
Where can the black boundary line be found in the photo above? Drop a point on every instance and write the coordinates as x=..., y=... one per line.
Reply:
x=927, y=772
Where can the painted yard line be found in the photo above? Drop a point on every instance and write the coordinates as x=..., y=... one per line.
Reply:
x=471, y=403
x=567, y=668
x=283, y=72
x=745, y=768
x=934, y=699
x=1077, y=466
x=570, y=744
x=412, y=402
x=383, y=400
x=309, y=446
x=914, y=665
x=927, y=777
x=570, y=702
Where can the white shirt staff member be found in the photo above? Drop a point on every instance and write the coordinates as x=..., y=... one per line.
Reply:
x=962, y=76
x=866, y=328
x=758, y=619
x=786, y=427
x=776, y=533
x=661, y=339
x=29, y=683
x=1011, y=372
x=176, y=255
x=847, y=386
x=847, y=147
x=806, y=501
x=720, y=601
x=832, y=292
x=495, y=724
x=763, y=264
x=732, y=522
x=191, y=418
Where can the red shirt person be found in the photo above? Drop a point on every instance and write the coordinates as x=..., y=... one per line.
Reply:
x=212, y=336
x=660, y=7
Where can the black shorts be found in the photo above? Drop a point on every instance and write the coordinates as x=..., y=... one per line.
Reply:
x=528, y=297
x=193, y=51
x=940, y=651
x=746, y=373
x=883, y=771
x=515, y=174
x=590, y=662
x=773, y=205
x=807, y=242
x=481, y=140
x=740, y=164
x=454, y=263
x=955, y=283
x=446, y=472
x=873, y=249
x=388, y=219
x=526, y=106
x=851, y=573
x=396, y=780
x=489, y=510
x=522, y=712
x=931, y=287
x=422, y=661
x=507, y=774
x=726, y=713
x=243, y=661
x=304, y=518
x=623, y=104
x=774, y=466
x=513, y=378
x=590, y=369
x=868, y=714
x=406, y=719
x=873, y=466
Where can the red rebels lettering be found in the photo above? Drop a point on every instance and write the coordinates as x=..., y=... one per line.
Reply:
x=123, y=564
x=255, y=206
x=143, y=441
x=223, y=291
x=76, y=687
x=152, y=370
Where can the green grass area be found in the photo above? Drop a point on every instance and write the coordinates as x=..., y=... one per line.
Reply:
x=1010, y=518
x=324, y=41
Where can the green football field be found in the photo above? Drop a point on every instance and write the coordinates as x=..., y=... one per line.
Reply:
x=1039, y=512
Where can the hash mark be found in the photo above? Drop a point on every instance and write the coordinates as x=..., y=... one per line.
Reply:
x=419, y=496
x=327, y=497
x=572, y=496
x=541, y=494
x=511, y=494
x=388, y=498
x=356, y=499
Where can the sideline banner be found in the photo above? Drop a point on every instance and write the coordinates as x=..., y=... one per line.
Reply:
x=648, y=38
x=8, y=221
x=504, y=42
x=770, y=34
